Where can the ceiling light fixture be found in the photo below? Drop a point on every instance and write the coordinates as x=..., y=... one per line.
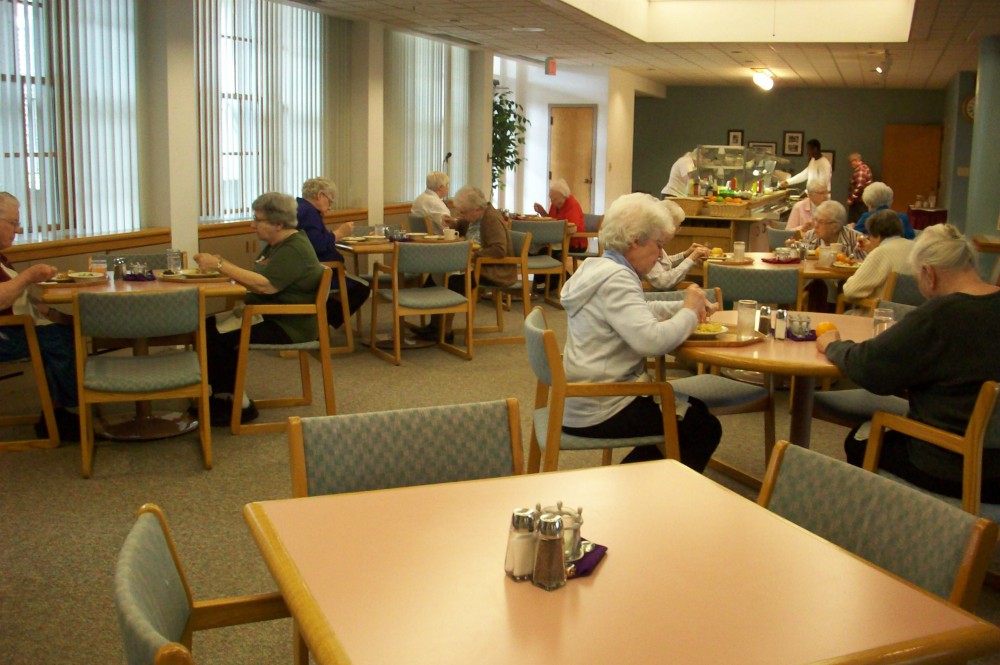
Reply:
x=527, y=29
x=882, y=68
x=764, y=78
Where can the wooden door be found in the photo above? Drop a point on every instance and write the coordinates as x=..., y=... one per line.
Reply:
x=911, y=162
x=571, y=149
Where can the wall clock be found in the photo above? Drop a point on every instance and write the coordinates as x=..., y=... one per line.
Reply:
x=969, y=107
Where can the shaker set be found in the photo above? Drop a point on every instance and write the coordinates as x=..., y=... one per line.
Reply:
x=541, y=543
x=751, y=320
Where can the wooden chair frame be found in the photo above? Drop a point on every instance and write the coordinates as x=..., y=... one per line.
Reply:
x=41, y=384
x=558, y=272
x=521, y=261
x=341, y=296
x=587, y=235
x=317, y=308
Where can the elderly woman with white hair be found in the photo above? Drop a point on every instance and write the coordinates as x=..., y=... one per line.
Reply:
x=801, y=217
x=563, y=205
x=612, y=330
x=878, y=196
x=431, y=203
x=940, y=354
x=829, y=227
x=670, y=269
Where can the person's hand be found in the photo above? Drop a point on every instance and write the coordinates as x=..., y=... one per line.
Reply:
x=824, y=340
x=540, y=210
x=447, y=221
x=207, y=262
x=694, y=247
x=40, y=272
x=344, y=229
x=783, y=185
x=694, y=299
x=863, y=243
x=699, y=253
x=807, y=226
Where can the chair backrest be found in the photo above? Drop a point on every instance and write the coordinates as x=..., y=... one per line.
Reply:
x=777, y=237
x=439, y=444
x=138, y=315
x=519, y=240
x=542, y=233
x=899, y=310
x=417, y=223
x=433, y=258
x=541, y=343
x=152, y=260
x=782, y=287
x=712, y=294
x=591, y=222
x=152, y=597
x=903, y=289
x=924, y=540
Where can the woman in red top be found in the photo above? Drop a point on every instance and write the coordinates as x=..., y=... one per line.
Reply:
x=564, y=206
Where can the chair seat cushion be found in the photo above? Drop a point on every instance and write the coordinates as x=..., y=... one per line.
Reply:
x=858, y=405
x=543, y=262
x=427, y=298
x=138, y=374
x=571, y=442
x=718, y=391
x=300, y=346
x=584, y=255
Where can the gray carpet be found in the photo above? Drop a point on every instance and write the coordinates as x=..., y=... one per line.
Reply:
x=59, y=534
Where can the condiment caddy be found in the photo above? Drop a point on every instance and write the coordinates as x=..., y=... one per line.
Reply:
x=544, y=546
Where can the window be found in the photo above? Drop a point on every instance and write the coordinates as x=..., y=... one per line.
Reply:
x=67, y=115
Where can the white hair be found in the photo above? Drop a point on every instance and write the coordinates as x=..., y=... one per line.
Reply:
x=676, y=212
x=470, y=197
x=313, y=187
x=815, y=186
x=833, y=210
x=437, y=180
x=637, y=217
x=877, y=194
x=944, y=247
x=560, y=186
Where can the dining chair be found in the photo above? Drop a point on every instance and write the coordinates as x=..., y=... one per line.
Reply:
x=903, y=289
x=419, y=224
x=152, y=260
x=548, y=236
x=923, y=540
x=592, y=228
x=776, y=237
x=339, y=293
x=178, y=316
x=552, y=389
x=522, y=286
x=157, y=614
x=399, y=448
x=41, y=386
x=424, y=258
x=320, y=346
x=771, y=287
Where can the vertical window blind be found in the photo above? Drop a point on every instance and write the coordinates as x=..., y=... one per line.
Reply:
x=67, y=115
x=261, y=68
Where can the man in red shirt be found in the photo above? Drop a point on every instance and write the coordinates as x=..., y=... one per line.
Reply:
x=861, y=177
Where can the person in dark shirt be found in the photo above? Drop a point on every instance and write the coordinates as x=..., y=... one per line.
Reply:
x=940, y=353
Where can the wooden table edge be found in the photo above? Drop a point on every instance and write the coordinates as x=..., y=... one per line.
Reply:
x=708, y=354
x=315, y=629
x=953, y=646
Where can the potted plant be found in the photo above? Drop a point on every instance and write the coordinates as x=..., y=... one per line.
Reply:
x=509, y=125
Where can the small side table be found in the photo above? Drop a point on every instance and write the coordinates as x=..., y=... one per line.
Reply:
x=921, y=218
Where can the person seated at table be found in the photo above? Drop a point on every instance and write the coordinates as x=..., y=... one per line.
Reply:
x=612, y=330
x=53, y=329
x=669, y=269
x=317, y=197
x=285, y=272
x=801, y=217
x=562, y=205
x=878, y=196
x=829, y=227
x=431, y=203
x=480, y=223
x=940, y=354
x=888, y=252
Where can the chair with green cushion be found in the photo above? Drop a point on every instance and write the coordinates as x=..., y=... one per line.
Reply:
x=767, y=287
x=547, y=237
x=176, y=316
x=776, y=237
x=923, y=540
x=903, y=289
x=156, y=612
x=385, y=449
x=152, y=260
x=592, y=229
x=522, y=286
x=419, y=224
x=547, y=437
x=48, y=416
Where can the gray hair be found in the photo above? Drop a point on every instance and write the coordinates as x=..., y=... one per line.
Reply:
x=853, y=155
x=637, y=217
x=278, y=208
x=559, y=186
x=944, y=247
x=437, y=180
x=313, y=187
x=835, y=210
x=884, y=224
x=8, y=201
x=815, y=186
x=676, y=212
x=877, y=194
x=470, y=197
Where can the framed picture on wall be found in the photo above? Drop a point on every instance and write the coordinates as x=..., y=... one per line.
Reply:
x=831, y=155
x=734, y=137
x=766, y=146
x=793, y=144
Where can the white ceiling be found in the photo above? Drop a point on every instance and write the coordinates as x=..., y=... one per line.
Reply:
x=943, y=40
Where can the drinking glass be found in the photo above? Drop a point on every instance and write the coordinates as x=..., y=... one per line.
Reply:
x=882, y=320
x=824, y=257
x=99, y=266
x=174, y=260
x=739, y=247
x=746, y=318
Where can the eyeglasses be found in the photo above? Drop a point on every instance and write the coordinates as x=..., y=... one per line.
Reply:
x=825, y=221
x=16, y=223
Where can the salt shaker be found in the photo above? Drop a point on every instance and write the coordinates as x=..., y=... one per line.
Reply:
x=550, y=565
x=520, y=558
x=780, y=324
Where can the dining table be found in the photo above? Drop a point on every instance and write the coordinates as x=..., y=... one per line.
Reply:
x=763, y=261
x=782, y=357
x=692, y=573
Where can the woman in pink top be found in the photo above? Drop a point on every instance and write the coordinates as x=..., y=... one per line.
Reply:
x=801, y=217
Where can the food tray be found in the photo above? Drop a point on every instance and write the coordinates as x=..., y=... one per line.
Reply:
x=190, y=278
x=728, y=209
x=734, y=262
x=778, y=261
x=690, y=206
x=71, y=284
x=727, y=339
x=845, y=268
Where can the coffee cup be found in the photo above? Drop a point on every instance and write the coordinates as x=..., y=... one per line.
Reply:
x=450, y=234
x=836, y=247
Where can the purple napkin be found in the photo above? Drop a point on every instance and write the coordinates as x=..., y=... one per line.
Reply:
x=585, y=565
x=146, y=277
x=810, y=336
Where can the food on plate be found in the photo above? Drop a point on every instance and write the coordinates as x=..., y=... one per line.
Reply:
x=709, y=328
x=842, y=258
x=718, y=251
x=824, y=327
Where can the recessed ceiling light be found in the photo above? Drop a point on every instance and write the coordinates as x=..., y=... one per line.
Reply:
x=528, y=29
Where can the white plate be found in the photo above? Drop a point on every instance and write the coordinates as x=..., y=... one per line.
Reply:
x=708, y=335
x=194, y=272
x=727, y=255
x=353, y=239
x=427, y=237
x=416, y=235
x=86, y=276
x=850, y=266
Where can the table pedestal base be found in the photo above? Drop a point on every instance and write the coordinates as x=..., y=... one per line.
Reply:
x=161, y=425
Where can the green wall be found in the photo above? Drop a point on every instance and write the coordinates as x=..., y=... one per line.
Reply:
x=845, y=121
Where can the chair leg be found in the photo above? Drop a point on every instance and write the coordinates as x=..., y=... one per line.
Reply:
x=86, y=438
x=301, y=649
x=205, y=427
x=326, y=366
x=534, y=453
x=769, y=430
x=606, y=457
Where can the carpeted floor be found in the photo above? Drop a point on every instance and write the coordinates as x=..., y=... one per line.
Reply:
x=59, y=534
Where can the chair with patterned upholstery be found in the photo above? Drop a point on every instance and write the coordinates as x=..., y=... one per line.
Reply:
x=41, y=385
x=767, y=287
x=776, y=237
x=522, y=286
x=552, y=389
x=592, y=229
x=176, y=316
x=152, y=260
x=913, y=535
x=419, y=224
x=547, y=237
x=903, y=289
x=156, y=612
x=319, y=346
x=385, y=449
x=430, y=258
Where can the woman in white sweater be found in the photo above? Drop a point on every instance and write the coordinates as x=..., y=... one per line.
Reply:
x=888, y=252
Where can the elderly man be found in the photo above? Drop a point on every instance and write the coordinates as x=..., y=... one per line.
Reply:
x=55, y=335
x=831, y=227
x=861, y=177
x=431, y=203
x=801, y=217
x=317, y=198
x=680, y=176
x=819, y=168
x=878, y=196
x=670, y=269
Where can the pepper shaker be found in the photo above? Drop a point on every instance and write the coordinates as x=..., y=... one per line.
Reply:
x=550, y=564
x=764, y=322
x=520, y=558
